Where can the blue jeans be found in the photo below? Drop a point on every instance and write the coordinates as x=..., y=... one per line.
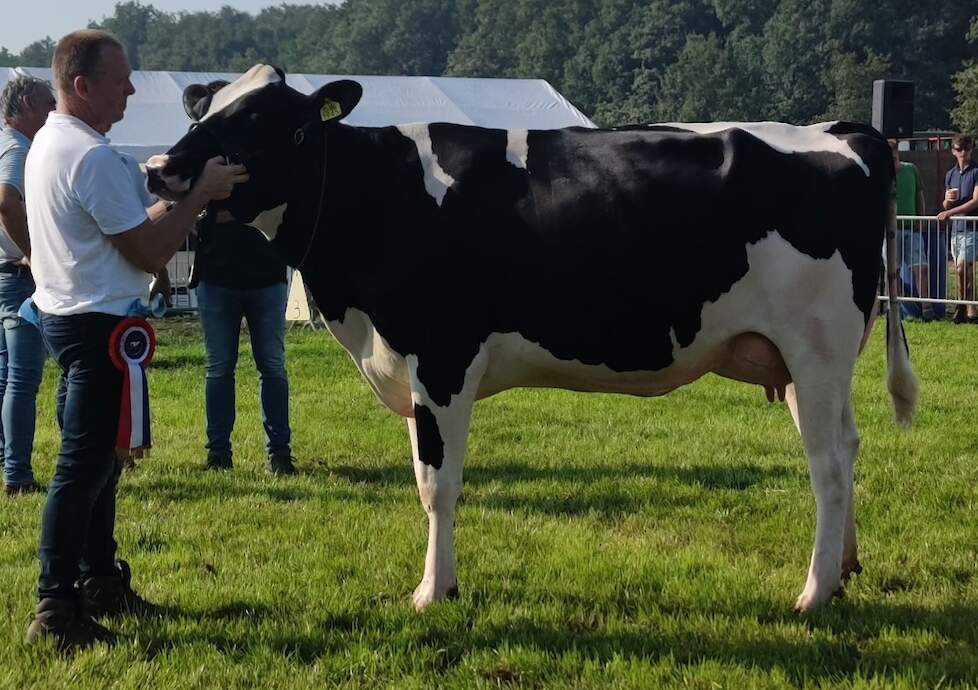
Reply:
x=78, y=522
x=21, y=363
x=221, y=310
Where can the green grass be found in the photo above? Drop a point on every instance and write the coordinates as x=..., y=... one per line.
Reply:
x=603, y=541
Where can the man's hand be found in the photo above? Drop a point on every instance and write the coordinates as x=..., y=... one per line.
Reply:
x=217, y=180
x=943, y=216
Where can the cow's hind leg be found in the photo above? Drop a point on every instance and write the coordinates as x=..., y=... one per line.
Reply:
x=821, y=399
x=850, y=448
x=438, y=441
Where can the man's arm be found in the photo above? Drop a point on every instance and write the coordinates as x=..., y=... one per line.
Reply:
x=149, y=245
x=158, y=210
x=13, y=217
x=964, y=209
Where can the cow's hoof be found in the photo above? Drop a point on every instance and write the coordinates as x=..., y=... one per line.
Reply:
x=811, y=598
x=427, y=594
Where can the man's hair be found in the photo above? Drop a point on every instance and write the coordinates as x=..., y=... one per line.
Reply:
x=963, y=140
x=14, y=93
x=77, y=55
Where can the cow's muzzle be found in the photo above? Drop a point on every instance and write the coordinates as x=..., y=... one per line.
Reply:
x=162, y=182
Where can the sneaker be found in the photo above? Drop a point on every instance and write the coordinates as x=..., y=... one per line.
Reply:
x=19, y=489
x=112, y=595
x=281, y=464
x=218, y=460
x=61, y=620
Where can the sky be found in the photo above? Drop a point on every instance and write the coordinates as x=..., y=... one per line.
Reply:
x=25, y=21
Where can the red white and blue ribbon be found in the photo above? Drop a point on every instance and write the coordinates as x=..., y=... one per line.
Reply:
x=131, y=347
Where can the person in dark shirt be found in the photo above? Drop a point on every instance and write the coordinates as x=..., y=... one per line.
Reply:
x=238, y=273
x=961, y=199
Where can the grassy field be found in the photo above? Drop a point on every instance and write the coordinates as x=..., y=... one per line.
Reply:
x=603, y=541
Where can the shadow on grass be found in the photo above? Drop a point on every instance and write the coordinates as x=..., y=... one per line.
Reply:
x=777, y=647
x=365, y=482
x=732, y=477
x=802, y=661
x=223, y=487
x=600, y=491
x=594, y=497
x=191, y=489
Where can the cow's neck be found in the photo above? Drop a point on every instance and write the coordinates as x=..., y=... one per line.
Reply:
x=316, y=234
x=295, y=233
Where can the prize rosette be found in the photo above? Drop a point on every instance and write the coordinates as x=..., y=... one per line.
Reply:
x=131, y=347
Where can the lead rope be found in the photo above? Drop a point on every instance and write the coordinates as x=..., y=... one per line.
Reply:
x=319, y=211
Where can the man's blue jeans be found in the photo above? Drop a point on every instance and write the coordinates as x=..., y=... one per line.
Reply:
x=221, y=310
x=78, y=522
x=21, y=363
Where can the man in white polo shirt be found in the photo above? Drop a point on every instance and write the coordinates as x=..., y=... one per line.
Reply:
x=92, y=248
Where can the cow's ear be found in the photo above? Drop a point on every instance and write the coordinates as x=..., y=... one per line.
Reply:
x=196, y=98
x=335, y=100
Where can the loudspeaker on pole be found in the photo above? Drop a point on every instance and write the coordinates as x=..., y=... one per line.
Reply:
x=893, y=107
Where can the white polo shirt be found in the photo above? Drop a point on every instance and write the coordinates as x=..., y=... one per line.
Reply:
x=80, y=191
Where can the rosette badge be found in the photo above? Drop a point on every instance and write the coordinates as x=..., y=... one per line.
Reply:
x=131, y=348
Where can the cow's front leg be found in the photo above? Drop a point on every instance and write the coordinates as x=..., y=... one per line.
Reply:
x=438, y=440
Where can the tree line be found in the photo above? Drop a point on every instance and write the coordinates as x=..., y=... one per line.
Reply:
x=619, y=61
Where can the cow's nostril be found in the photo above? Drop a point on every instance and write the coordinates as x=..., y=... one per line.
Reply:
x=154, y=182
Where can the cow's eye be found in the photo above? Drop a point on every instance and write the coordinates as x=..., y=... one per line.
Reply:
x=255, y=118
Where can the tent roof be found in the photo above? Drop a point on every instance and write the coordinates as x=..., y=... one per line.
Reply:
x=155, y=119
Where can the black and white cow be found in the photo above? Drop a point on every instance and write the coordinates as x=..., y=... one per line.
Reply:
x=454, y=262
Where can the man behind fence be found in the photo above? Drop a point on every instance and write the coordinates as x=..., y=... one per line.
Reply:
x=911, y=245
x=961, y=199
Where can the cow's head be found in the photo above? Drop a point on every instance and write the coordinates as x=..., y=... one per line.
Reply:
x=257, y=121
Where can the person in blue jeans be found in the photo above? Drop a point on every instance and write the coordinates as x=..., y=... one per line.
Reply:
x=239, y=274
x=24, y=106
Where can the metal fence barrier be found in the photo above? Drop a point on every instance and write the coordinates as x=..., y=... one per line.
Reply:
x=937, y=264
x=182, y=297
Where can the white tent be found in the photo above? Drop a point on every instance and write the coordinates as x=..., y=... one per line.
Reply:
x=155, y=119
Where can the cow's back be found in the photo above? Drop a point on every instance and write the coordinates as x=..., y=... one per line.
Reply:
x=601, y=246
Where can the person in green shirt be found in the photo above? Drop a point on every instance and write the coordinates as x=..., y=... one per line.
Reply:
x=910, y=236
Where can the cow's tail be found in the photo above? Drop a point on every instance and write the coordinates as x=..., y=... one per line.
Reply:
x=900, y=377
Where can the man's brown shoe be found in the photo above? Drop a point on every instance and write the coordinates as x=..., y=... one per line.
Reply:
x=112, y=595
x=61, y=620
